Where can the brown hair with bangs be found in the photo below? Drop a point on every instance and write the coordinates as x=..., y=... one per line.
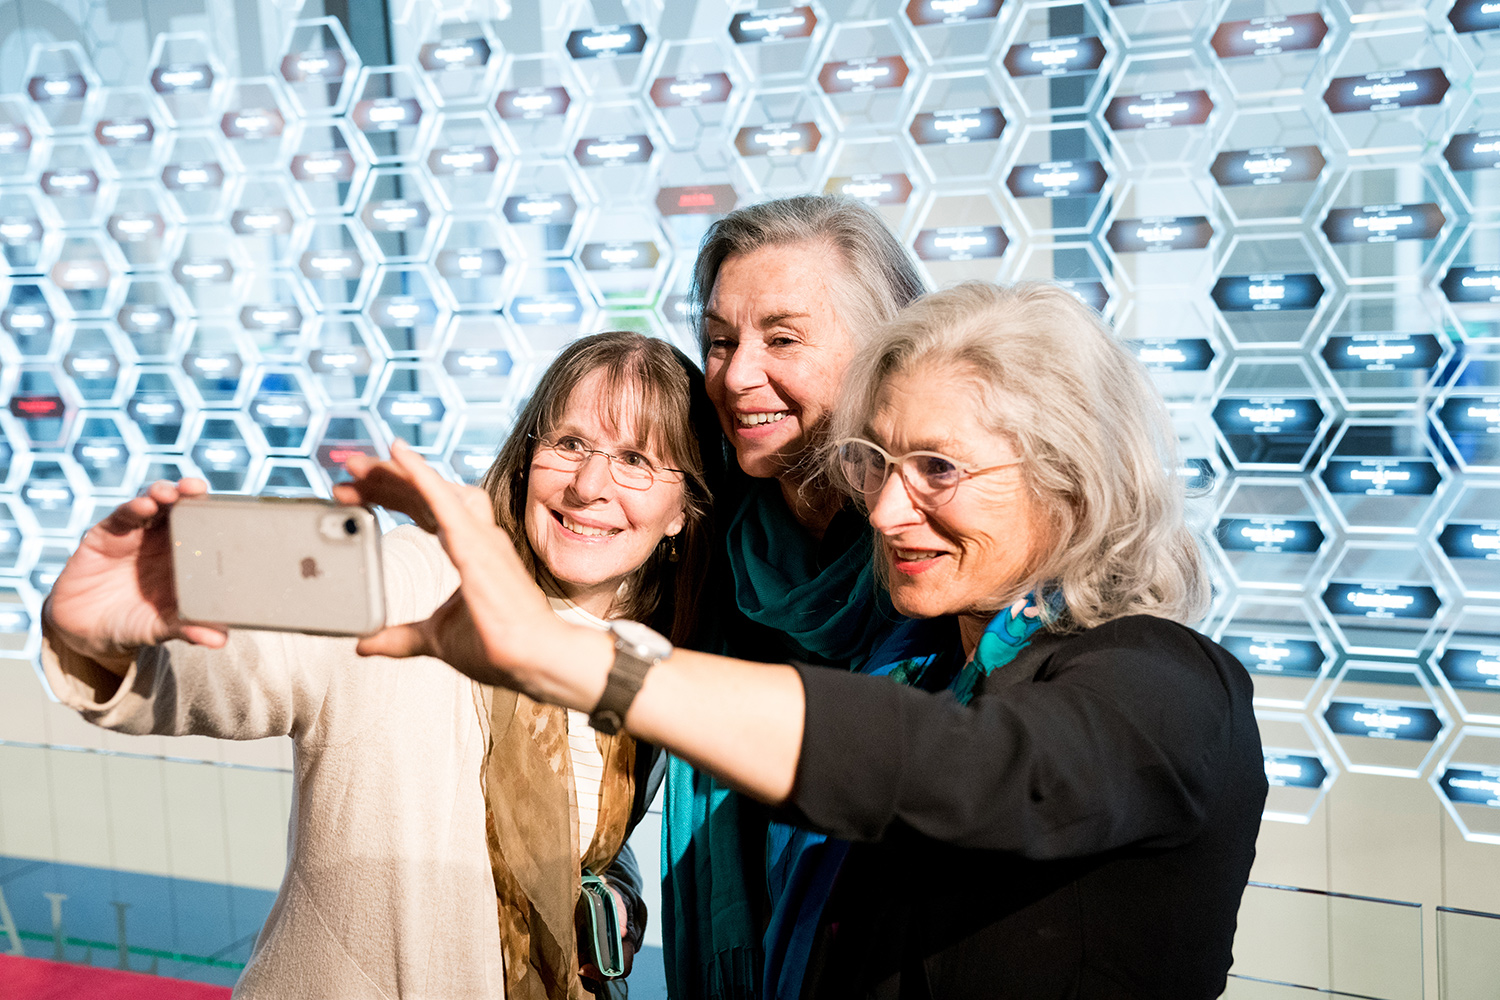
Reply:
x=658, y=384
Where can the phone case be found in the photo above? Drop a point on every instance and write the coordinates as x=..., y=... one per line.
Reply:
x=274, y=563
x=600, y=937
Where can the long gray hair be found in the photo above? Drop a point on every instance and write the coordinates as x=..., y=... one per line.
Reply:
x=1098, y=449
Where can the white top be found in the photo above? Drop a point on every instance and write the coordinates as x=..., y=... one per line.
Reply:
x=388, y=890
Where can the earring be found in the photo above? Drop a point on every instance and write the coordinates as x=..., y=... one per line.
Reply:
x=672, y=548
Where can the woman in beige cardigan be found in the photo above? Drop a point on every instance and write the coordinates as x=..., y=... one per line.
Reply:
x=424, y=803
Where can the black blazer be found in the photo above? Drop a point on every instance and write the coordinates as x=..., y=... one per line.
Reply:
x=1084, y=828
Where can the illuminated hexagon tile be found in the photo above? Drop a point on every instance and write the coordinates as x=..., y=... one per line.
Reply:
x=1384, y=225
x=29, y=316
x=477, y=443
x=224, y=448
x=1381, y=477
x=97, y=355
x=1269, y=165
x=476, y=262
x=345, y=359
x=1384, y=718
x=1140, y=22
x=333, y=263
x=263, y=217
x=416, y=404
x=18, y=140
x=867, y=77
x=1467, y=413
x=1270, y=291
x=346, y=433
x=958, y=126
x=1384, y=350
x=62, y=86
x=614, y=154
x=536, y=104
x=24, y=241
x=44, y=403
x=783, y=140
x=1076, y=267
x=185, y=76
x=963, y=237
x=879, y=172
x=695, y=189
x=1057, y=56
x=52, y=493
x=71, y=182
x=1390, y=89
x=89, y=272
x=623, y=258
x=612, y=59
x=20, y=608
x=391, y=114
x=327, y=169
x=283, y=410
x=468, y=160
x=1468, y=536
x=16, y=529
x=211, y=269
x=1271, y=414
x=1283, y=645
x=405, y=311
x=695, y=88
x=126, y=131
x=1471, y=283
x=253, y=117
x=1199, y=465
x=1384, y=598
x=150, y=317
x=216, y=364
x=1268, y=48
x=319, y=67
x=549, y=305
x=1472, y=153
x=1299, y=767
x=401, y=214
x=195, y=177
x=484, y=358
x=954, y=31
x=1159, y=232
x=168, y=467
x=107, y=447
x=542, y=204
x=143, y=223
x=1467, y=664
x=461, y=61
x=1157, y=111
x=1475, y=21
x=774, y=43
x=646, y=322
x=290, y=477
x=157, y=406
x=1271, y=533
x=1467, y=780
x=1059, y=178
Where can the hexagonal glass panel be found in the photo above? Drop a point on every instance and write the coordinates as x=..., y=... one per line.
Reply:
x=168, y=467
x=319, y=66
x=286, y=477
x=333, y=262
x=1468, y=782
x=184, y=71
x=475, y=447
x=102, y=450
x=390, y=114
x=15, y=621
x=1270, y=291
x=623, y=258
x=1468, y=536
x=482, y=362
x=1282, y=643
x=22, y=235
x=1059, y=178
x=344, y=435
x=70, y=180
x=1055, y=57
x=275, y=314
x=1381, y=478
x=1471, y=283
x=1388, y=91
x=253, y=120
x=549, y=306
x=1472, y=153
x=536, y=105
x=1299, y=767
x=1269, y=165
x=39, y=405
x=49, y=495
x=128, y=134
x=958, y=125
x=468, y=160
x=864, y=75
x=1270, y=414
x=194, y=176
x=879, y=172
x=17, y=142
x=541, y=205
x=462, y=63
x=613, y=152
x=1270, y=533
x=280, y=407
x=405, y=312
x=1467, y=414
x=953, y=32
x=962, y=237
x=1467, y=664
x=221, y=450
x=473, y=263
x=397, y=207
x=343, y=358
x=93, y=363
x=1076, y=267
x=29, y=318
x=413, y=406
x=210, y=269
x=696, y=188
x=86, y=272
x=1475, y=24
x=780, y=139
x=263, y=216
x=1384, y=224
x=1383, y=599
x=60, y=81
x=148, y=317
x=692, y=92
x=215, y=363
x=14, y=526
x=1159, y=232
x=777, y=42
x=1143, y=23
x=611, y=59
x=1157, y=109
x=1384, y=350
x=326, y=171
x=143, y=223
x=1267, y=48
x=1174, y=337
x=1383, y=718
x=157, y=408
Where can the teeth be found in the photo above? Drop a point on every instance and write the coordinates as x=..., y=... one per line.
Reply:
x=757, y=419
x=585, y=530
x=915, y=555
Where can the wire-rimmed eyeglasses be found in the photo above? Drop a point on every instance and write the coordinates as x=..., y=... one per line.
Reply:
x=630, y=469
x=930, y=477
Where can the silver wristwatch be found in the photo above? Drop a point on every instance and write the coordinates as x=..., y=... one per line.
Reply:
x=637, y=650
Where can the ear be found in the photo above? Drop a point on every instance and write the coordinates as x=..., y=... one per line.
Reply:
x=678, y=523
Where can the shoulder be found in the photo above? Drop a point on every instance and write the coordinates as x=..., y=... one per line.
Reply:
x=1146, y=646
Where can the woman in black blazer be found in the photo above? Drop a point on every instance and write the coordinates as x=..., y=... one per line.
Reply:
x=1067, y=806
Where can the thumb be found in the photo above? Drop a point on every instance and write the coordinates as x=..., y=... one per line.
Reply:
x=413, y=639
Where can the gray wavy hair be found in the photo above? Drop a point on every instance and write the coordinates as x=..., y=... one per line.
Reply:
x=1098, y=449
x=879, y=276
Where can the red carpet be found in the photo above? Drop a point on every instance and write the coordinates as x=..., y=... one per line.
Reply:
x=36, y=979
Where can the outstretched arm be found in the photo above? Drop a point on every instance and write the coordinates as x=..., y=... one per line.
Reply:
x=740, y=720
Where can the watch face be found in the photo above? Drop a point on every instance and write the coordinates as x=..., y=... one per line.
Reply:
x=649, y=644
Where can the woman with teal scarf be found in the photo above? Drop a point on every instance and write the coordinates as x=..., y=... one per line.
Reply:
x=781, y=293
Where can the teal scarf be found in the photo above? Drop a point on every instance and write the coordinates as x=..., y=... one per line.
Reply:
x=1004, y=637
x=827, y=614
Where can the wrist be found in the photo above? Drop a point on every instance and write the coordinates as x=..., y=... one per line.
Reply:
x=585, y=655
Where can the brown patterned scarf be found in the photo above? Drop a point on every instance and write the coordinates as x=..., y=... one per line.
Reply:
x=532, y=831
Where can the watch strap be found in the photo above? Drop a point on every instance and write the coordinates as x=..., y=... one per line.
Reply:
x=625, y=679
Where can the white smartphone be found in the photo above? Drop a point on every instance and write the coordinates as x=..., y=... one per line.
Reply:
x=291, y=565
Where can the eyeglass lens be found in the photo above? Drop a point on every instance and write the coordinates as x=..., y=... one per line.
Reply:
x=631, y=469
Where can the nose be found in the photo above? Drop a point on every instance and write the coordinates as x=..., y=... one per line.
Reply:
x=744, y=369
x=593, y=478
x=893, y=509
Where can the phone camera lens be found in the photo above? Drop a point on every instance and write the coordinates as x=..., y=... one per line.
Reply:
x=351, y=526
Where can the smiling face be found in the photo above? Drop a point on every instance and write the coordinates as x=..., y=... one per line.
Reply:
x=590, y=533
x=969, y=556
x=776, y=352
